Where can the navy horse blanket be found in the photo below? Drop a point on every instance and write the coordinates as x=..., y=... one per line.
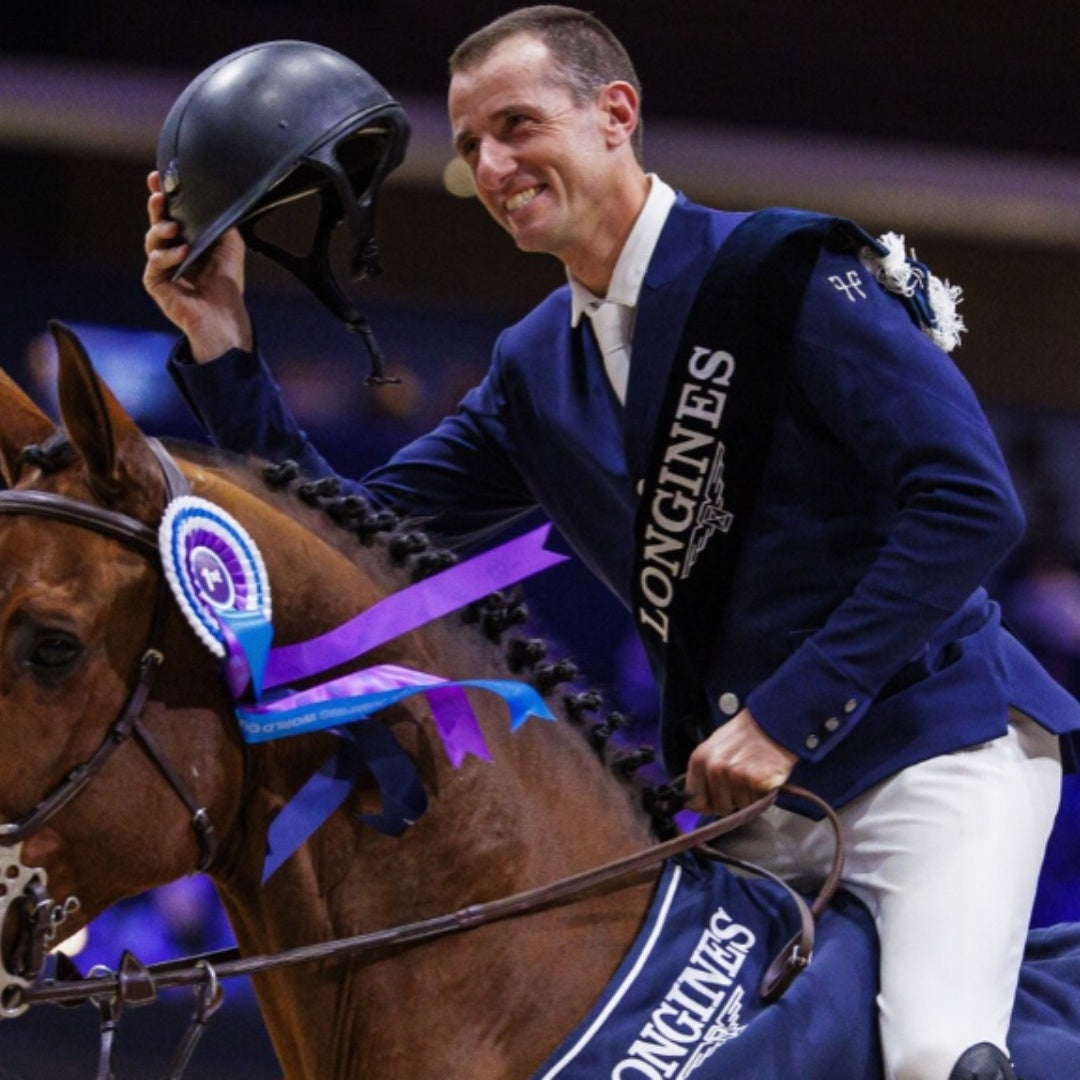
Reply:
x=685, y=1003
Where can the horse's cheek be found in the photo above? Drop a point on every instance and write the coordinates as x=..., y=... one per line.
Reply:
x=42, y=848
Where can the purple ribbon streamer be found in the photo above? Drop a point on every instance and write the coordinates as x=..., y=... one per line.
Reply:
x=414, y=606
x=457, y=724
x=451, y=710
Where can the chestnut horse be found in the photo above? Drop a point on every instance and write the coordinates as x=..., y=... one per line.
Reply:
x=76, y=613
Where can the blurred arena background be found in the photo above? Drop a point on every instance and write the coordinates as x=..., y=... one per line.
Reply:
x=955, y=123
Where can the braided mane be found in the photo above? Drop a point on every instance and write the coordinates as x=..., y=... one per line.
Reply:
x=407, y=554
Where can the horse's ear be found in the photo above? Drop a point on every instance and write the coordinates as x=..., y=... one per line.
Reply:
x=22, y=424
x=122, y=470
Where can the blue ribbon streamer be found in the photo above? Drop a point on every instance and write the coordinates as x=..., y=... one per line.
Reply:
x=323, y=793
x=403, y=797
x=248, y=637
x=368, y=746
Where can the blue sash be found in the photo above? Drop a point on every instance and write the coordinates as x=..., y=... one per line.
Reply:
x=713, y=434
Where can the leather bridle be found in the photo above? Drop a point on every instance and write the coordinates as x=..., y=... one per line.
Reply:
x=41, y=917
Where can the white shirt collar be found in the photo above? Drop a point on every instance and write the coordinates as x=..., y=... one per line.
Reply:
x=634, y=258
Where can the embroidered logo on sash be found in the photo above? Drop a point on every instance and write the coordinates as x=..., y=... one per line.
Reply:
x=212, y=565
x=687, y=506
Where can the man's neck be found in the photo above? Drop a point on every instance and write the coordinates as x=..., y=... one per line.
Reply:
x=595, y=264
x=624, y=281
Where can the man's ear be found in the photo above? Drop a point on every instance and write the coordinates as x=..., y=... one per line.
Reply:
x=619, y=103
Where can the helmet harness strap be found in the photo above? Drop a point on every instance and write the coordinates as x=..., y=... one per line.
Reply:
x=337, y=202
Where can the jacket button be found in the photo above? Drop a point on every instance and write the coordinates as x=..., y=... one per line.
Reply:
x=850, y=705
x=812, y=742
x=729, y=703
x=832, y=724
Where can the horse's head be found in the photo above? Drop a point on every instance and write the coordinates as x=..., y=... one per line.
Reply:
x=86, y=751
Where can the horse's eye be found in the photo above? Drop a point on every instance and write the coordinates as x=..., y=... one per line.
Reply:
x=53, y=653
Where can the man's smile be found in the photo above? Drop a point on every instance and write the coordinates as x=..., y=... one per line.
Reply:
x=522, y=198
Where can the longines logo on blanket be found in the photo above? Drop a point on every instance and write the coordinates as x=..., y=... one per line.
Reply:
x=699, y=1012
x=687, y=506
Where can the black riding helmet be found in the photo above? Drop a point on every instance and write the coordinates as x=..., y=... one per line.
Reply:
x=273, y=123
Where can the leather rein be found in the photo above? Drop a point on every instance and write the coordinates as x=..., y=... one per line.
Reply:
x=136, y=983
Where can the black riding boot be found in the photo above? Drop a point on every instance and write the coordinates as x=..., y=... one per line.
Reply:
x=983, y=1062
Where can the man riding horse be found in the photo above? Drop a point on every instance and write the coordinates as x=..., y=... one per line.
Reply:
x=745, y=424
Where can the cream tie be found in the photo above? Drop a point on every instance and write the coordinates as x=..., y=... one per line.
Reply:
x=610, y=321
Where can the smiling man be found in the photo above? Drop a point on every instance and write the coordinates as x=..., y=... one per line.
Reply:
x=748, y=427
x=551, y=160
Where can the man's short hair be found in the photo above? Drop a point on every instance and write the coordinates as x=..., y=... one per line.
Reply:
x=586, y=54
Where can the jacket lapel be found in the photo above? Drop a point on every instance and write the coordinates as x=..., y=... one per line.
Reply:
x=687, y=244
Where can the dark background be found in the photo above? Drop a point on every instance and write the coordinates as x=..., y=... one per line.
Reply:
x=954, y=123
x=951, y=73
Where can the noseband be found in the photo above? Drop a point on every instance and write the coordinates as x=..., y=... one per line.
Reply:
x=26, y=886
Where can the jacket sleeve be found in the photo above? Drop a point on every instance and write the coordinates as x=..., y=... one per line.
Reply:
x=896, y=403
x=239, y=404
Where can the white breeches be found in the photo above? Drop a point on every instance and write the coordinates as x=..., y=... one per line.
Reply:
x=946, y=855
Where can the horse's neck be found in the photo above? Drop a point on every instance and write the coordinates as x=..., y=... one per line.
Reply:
x=490, y=1003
